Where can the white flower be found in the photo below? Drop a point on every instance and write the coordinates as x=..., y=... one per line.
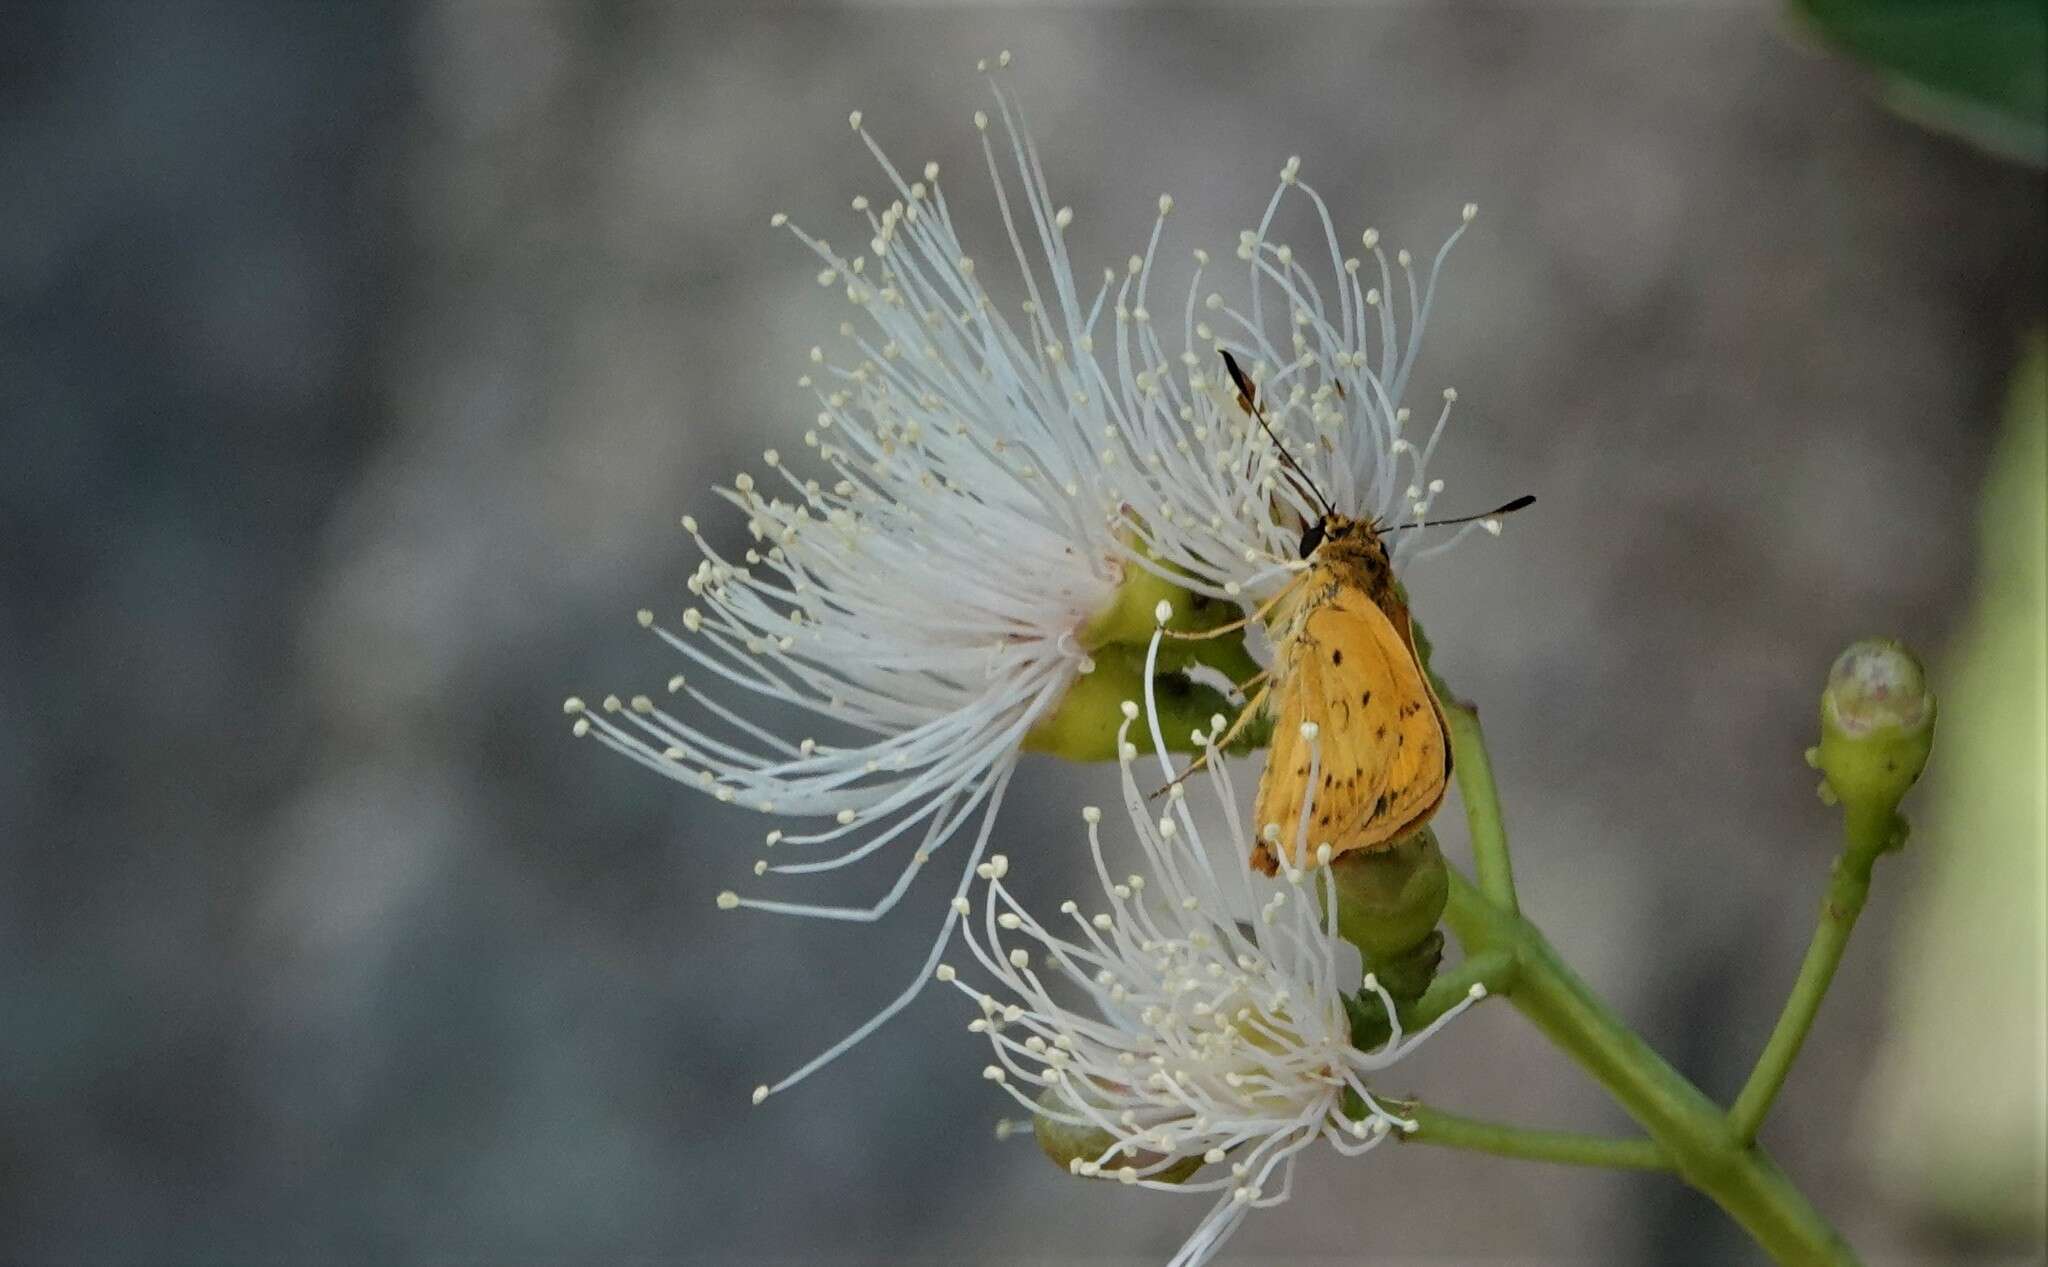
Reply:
x=1210, y=1020
x=1331, y=363
x=929, y=597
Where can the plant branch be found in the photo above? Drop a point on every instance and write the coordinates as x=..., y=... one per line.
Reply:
x=1474, y=770
x=1866, y=835
x=1570, y=1148
x=1690, y=1129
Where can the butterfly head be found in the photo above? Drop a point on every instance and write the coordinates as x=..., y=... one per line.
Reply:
x=1342, y=534
x=1352, y=546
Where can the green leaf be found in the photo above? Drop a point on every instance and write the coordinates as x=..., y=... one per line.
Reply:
x=1975, y=68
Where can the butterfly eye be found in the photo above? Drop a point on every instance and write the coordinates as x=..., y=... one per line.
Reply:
x=1311, y=537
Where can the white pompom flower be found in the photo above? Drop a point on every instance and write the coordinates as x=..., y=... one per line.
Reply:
x=1193, y=1023
x=934, y=594
x=1329, y=341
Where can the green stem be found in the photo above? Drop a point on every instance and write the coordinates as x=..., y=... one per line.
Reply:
x=1688, y=1127
x=1865, y=836
x=1434, y=1126
x=1474, y=771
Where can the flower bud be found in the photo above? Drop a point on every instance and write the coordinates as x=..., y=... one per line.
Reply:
x=1067, y=1144
x=1389, y=900
x=1136, y=611
x=1133, y=613
x=1083, y=727
x=1876, y=727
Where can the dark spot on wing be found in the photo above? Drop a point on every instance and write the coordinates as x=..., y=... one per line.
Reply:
x=1337, y=656
x=1365, y=700
x=1380, y=733
x=1379, y=807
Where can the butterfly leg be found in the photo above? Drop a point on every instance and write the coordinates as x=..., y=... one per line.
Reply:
x=1235, y=625
x=1251, y=709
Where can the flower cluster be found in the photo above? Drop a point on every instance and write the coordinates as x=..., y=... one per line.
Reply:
x=969, y=575
x=1194, y=1018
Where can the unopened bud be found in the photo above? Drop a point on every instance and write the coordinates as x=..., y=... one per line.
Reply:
x=1389, y=900
x=1084, y=725
x=1068, y=1145
x=1876, y=727
x=1134, y=611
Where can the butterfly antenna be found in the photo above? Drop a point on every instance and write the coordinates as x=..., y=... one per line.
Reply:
x=1525, y=500
x=1248, y=392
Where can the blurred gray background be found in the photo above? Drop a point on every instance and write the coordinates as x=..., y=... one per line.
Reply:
x=356, y=361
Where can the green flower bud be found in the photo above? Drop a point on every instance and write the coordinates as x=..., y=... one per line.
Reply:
x=1388, y=904
x=1084, y=725
x=1070, y=1146
x=1132, y=614
x=1118, y=638
x=1876, y=728
x=1389, y=900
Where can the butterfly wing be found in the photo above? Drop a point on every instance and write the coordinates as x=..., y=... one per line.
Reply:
x=1385, y=755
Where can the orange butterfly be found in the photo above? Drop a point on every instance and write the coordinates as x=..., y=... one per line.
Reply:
x=1345, y=660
